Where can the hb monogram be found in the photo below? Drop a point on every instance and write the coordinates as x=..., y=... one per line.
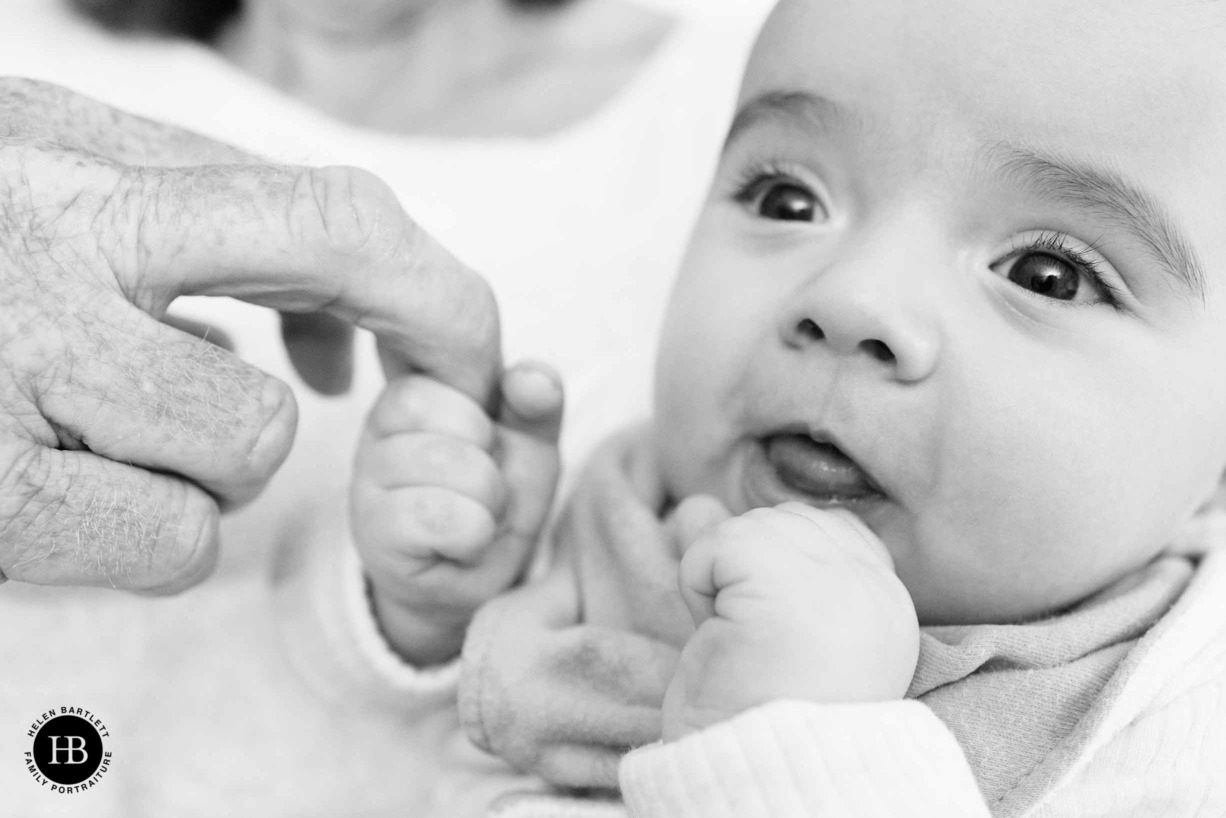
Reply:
x=75, y=745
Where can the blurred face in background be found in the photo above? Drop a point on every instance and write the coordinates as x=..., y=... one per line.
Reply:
x=340, y=16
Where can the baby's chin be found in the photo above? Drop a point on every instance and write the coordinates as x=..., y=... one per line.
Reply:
x=1005, y=598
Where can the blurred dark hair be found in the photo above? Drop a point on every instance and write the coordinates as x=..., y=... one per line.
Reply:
x=198, y=19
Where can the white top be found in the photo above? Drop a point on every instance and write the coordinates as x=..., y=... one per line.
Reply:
x=256, y=693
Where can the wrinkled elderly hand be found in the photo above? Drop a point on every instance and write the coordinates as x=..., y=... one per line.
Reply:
x=120, y=437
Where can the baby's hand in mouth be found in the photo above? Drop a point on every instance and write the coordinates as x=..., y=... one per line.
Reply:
x=790, y=602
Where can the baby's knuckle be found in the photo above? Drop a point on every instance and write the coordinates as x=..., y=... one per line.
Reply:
x=442, y=454
x=737, y=528
x=408, y=404
x=553, y=766
x=437, y=514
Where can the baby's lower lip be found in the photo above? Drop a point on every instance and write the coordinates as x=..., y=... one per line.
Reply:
x=796, y=467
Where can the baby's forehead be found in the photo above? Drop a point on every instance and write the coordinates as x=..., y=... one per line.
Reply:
x=1134, y=88
x=1143, y=56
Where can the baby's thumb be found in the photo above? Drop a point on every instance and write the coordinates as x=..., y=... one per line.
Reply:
x=529, y=420
x=532, y=401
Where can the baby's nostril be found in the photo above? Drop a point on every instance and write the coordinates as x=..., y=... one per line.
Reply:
x=809, y=330
x=878, y=350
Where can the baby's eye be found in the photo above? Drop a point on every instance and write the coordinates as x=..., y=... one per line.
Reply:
x=1058, y=267
x=787, y=202
x=1047, y=275
x=775, y=194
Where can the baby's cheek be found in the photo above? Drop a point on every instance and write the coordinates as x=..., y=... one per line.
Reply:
x=1037, y=516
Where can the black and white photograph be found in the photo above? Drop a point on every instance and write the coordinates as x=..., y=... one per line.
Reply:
x=613, y=408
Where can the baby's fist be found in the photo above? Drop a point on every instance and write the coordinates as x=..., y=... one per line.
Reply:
x=790, y=602
x=447, y=503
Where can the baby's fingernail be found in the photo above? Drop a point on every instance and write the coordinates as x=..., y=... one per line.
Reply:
x=534, y=390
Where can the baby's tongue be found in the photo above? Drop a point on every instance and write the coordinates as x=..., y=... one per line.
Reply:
x=817, y=469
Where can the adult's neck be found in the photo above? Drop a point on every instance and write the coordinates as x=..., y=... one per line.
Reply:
x=376, y=62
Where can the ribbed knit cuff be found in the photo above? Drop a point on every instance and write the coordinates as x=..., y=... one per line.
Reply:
x=332, y=635
x=793, y=758
x=386, y=664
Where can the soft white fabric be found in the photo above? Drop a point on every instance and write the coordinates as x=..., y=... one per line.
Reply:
x=267, y=690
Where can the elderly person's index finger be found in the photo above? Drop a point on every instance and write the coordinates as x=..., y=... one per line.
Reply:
x=300, y=240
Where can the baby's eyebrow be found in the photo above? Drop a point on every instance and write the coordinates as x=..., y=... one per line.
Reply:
x=800, y=107
x=1106, y=194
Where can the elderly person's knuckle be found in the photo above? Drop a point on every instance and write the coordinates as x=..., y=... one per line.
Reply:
x=206, y=397
x=143, y=532
x=26, y=475
x=25, y=89
x=48, y=199
x=22, y=100
x=16, y=87
x=130, y=229
x=357, y=213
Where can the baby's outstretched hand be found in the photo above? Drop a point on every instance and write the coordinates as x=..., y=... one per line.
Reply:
x=790, y=602
x=448, y=503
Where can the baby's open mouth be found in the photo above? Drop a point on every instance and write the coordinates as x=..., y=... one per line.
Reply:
x=817, y=468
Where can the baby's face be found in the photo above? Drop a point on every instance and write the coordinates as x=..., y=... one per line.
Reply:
x=963, y=271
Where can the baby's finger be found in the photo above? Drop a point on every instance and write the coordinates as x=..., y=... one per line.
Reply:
x=527, y=454
x=693, y=517
x=430, y=459
x=586, y=765
x=397, y=531
x=416, y=403
x=696, y=577
x=532, y=401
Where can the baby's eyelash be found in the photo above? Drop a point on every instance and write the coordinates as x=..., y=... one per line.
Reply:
x=1058, y=245
x=749, y=181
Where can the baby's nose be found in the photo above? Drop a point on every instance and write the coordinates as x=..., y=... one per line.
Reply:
x=871, y=326
x=807, y=331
